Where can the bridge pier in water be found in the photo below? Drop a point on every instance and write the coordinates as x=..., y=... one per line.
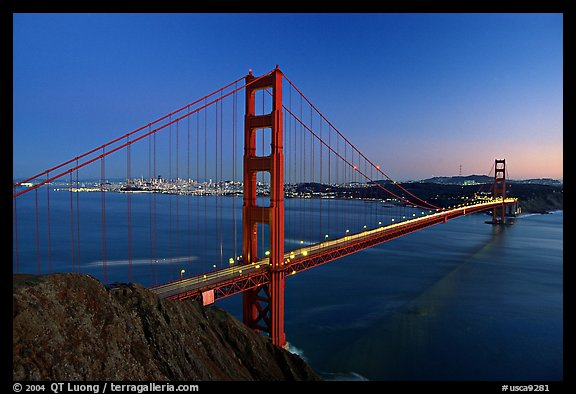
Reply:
x=263, y=307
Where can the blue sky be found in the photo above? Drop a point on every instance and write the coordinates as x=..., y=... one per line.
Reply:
x=421, y=94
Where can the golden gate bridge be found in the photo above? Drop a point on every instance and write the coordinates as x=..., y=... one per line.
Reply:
x=279, y=152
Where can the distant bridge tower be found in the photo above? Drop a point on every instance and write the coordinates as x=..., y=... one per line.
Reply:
x=263, y=307
x=499, y=191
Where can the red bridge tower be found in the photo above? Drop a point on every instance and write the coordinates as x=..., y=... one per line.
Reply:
x=499, y=191
x=263, y=307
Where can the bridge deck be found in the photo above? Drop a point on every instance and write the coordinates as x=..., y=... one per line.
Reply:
x=228, y=281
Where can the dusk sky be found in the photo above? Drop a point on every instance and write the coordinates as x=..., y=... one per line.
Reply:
x=421, y=94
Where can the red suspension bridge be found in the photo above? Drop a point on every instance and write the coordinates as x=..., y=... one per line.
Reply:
x=189, y=207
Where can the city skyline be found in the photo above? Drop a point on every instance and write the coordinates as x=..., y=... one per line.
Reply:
x=421, y=94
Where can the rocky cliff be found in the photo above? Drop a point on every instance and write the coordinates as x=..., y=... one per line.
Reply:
x=70, y=327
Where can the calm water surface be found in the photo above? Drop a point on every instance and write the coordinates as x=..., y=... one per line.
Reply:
x=459, y=301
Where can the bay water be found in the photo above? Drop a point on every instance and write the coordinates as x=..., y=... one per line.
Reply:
x=463, y=300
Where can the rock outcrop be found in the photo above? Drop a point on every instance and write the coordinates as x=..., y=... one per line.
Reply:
x=70, y=327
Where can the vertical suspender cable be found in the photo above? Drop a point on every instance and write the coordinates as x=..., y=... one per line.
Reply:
x=154, y=225
x=321, y=184
x=73, y=253
x=311, y=210
x=205, y=185
x=289, y=165
x=305, y=229
x=77, y=219
x=294, y=176
x=103, y=212
x=216, y=162
x=170, y=184
x=287, y=142
x=234, y=103
x=48, y=241
x=150, y=238
x=355, y=189
x=37, y=236
x=177, y=197
x=329, y=177
x=286, y=147
x=371, y=216
x=219, y=175
x=129, y=199
x=345, y=187
x=302, y=151
x=365, y=197
x=16, y=235
x=339, y=189
x=221, y=180
x=188, y=190
x=197, y=183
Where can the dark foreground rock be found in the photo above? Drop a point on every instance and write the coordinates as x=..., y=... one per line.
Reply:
x=70, y=327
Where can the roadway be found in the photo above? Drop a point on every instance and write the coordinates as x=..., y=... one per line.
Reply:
x=237, y=278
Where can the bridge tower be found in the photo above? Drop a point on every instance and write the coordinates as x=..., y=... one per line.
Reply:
x=263, y=307
x=499, y=191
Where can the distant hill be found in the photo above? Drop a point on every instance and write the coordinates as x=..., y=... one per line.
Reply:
x=479, y=179
x=459, y=180
x=538, y=181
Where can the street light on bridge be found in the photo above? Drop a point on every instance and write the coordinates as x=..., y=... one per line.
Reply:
x=182, y=273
